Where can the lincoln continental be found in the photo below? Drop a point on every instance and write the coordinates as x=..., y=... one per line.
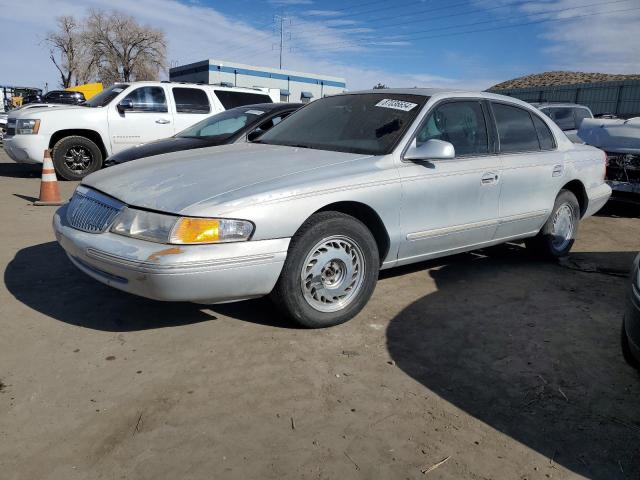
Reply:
x=349, y=185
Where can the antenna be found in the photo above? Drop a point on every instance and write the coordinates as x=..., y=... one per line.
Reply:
x=279, y=21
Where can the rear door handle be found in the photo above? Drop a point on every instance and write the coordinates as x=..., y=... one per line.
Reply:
x=163, y=121
x=489, y=177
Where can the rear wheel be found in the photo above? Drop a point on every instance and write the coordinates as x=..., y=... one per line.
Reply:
x=559, y=232
x=76, y=157
x=330, y=272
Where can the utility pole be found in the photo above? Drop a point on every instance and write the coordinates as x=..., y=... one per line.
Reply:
x=279, y=21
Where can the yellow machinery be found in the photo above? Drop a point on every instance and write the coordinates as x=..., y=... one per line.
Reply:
x=88, y=89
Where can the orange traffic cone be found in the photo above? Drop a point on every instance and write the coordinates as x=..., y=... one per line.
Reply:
x=49, y=193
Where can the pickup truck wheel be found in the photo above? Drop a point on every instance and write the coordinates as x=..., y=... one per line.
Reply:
x=560, y=230
x=76, y=157
x=330, y=272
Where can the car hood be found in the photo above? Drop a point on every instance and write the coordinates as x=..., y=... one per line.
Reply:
x=175, y=181
x=44, y=109
x=158, y=147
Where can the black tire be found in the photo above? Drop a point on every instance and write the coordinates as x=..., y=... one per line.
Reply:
x=85, y=148
x=289, y=292
x=548, y=245
x=626, y=349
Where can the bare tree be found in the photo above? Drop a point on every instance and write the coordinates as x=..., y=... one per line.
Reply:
x=69, y=52
x=123, y=49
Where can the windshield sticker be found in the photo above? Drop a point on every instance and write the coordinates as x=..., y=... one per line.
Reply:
x=396, y=104
x=254, y=112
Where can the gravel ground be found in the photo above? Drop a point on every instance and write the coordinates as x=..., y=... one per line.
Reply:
x=485, y=365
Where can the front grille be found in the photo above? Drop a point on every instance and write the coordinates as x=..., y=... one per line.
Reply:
x=91, y=211
x=11, y=131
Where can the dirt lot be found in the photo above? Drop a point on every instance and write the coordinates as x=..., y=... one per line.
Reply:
x=502, y=365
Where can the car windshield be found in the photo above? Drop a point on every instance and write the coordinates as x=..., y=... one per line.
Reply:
x=224, y=124
x=369, y=123
x=104, y=97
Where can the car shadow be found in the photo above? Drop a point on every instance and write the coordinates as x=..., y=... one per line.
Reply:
x=20, y=170
x=532, y=350
x=621, y=207
x=43, y=278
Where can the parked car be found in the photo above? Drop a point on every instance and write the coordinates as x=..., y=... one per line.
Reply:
x=346, y=186
x=121, y=116
x=32, y=98
x=238, y=124
x=568, y=116
x=64, y=97
x=3, y=124
x=620, y=139
x=631, y=322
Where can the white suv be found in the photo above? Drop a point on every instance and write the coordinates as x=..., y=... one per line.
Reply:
x=121, y=116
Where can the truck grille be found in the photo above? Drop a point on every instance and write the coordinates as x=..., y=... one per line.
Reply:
x=91, y=211
x=11, y=131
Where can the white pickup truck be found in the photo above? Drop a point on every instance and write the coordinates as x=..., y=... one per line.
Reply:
x=123, y=115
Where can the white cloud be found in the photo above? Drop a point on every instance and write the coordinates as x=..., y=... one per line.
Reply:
x=586, y=35
x=196, y=32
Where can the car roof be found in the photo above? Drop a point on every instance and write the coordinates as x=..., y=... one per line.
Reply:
x=271, y=107
x=558, y=104
x=191, y=84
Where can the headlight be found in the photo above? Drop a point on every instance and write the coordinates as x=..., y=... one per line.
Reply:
x=161, y=228
x=27, y=127
x=210, y=230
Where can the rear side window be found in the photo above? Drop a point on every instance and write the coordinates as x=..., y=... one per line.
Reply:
x=515, y=129
x=459, y=123
x=545, y=137
x=191, y=100
x=581, y=114
x=148, y=99
x=562, y=116
x=230, y=99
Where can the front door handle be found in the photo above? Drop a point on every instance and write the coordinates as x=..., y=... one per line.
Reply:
x=489, y=177
x=163, y=121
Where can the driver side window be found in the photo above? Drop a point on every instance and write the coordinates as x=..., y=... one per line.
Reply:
x=148, y=99
x=460, y=123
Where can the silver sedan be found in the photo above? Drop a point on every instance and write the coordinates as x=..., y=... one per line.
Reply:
x=348, y=185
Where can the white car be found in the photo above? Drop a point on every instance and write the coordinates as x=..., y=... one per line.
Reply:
x=568, y=116
x=345, y=186
x=122, y=116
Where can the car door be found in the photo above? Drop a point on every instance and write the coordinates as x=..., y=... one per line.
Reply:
x=148, y=119
x=191, y=106
x=532, y=169
x=451, y=204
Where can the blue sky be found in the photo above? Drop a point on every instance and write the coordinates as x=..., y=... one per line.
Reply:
x=399, y=43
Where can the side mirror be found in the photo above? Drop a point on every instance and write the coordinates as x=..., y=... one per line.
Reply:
x=124, y=105
x=431, y=150
x=254, y=135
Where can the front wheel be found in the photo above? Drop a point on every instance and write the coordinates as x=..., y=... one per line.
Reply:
x=330, y=272
x=560, y=230
x=76, y=157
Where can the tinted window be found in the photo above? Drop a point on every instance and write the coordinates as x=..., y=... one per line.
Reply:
x=148, y=99
x=105, y=96
x=370, y=123
x=191, y=100
x=581, y=114
x=545, y=137
x=515, y=129
x=459, y=123
x=563, y=117
x=272, y=122
x=230, y=99
x=223, y=124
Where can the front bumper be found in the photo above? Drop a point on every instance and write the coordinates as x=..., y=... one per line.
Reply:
x=632, y=315
x=26, y=148
x=194, y=273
